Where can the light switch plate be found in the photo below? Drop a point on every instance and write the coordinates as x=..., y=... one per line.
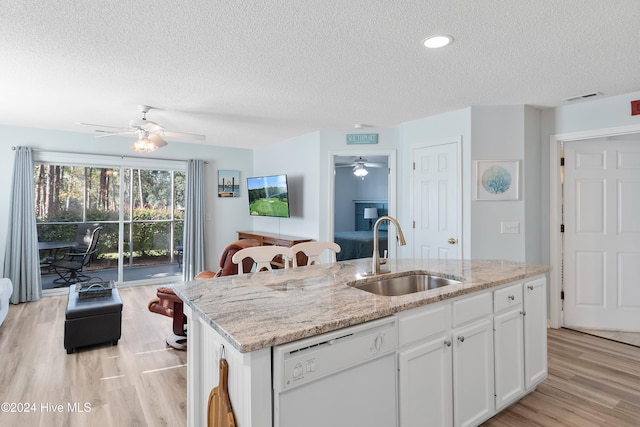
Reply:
x=510, y=227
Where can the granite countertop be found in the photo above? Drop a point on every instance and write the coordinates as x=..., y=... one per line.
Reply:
x=259, y=310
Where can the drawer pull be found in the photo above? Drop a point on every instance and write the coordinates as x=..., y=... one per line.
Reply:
x=461, y=338
x=512, y=297
x=447, y=343
x=530, y=287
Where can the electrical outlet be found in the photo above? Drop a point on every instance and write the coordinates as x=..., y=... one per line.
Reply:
x=510, y=227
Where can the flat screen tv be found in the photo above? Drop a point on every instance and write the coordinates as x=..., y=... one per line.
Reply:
x=268, y=196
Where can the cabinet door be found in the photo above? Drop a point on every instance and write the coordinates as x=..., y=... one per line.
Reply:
x=535, y=332
x=424, y=384
x=473, y=380
x=509, y=356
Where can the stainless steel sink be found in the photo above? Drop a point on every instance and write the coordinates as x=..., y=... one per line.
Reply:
x=403, y=285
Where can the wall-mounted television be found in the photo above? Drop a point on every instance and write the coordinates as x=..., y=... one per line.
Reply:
x=268, y=196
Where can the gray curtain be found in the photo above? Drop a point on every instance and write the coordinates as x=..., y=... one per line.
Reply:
x=21, y=260
x=194, y=220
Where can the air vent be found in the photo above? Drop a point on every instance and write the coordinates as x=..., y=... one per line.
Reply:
x=585, y=96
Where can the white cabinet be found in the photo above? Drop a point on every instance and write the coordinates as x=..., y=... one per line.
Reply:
x=424, y=367
x=463, y=360
x=446, y=363
x=425, y=384
x=535, y=331
x=508, y=344
x=472, y=339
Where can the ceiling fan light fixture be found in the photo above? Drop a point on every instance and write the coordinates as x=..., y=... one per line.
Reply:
x=360, y=171
x=144, y=145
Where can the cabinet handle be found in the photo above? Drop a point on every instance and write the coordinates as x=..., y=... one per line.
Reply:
x=461, y=338
x=530, y=287
x=511, y=297
x=447, y=343
x=524, y=313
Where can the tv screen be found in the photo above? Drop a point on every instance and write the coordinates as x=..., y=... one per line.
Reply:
x=268, y=196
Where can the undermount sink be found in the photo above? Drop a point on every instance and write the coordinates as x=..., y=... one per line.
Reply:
x=403, y=285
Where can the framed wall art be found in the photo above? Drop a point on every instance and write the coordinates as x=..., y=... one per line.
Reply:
x=497, y=179
x=228, y=183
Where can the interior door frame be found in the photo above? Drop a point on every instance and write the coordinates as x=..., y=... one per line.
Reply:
x=391, y=184
x=555, y=209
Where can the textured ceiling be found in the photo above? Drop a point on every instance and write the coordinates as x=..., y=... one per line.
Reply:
x=250, y=73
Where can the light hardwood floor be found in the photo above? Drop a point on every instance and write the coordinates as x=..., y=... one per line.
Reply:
x=592, y=382
x=139, y=382
x=632, y=338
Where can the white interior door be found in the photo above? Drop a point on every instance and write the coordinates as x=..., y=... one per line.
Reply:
x=602, y=234
x=436, y=202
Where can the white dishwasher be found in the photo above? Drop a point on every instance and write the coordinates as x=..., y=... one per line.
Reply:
x=342, y=378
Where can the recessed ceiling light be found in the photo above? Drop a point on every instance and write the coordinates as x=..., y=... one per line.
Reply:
x=436, y=42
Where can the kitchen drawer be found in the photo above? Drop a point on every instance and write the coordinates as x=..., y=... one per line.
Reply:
x=508, y=297
x=471, y=308
x=424, y=322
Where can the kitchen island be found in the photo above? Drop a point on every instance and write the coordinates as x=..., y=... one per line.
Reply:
x=243, y=317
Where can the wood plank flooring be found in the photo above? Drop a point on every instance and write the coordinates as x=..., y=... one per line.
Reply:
x=140, y=382
x=592, y=382
x=632, y=338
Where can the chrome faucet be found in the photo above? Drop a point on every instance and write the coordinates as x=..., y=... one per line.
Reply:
x=375, y=266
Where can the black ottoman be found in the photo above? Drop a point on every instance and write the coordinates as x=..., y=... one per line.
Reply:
x=92, y=321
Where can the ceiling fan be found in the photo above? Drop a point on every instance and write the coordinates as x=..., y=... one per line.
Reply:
x=360, y=165
x=150, y=134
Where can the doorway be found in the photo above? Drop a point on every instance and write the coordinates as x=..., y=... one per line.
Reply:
x=569, y=250
x=358, y=199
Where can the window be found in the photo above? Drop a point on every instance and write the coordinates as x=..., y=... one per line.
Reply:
x=140, y=208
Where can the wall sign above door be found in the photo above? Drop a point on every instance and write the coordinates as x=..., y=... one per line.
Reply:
x=362, y=138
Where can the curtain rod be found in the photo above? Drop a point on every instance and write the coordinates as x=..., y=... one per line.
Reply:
x=13, y=147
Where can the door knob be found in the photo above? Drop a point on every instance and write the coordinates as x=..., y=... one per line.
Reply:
x=452, y=241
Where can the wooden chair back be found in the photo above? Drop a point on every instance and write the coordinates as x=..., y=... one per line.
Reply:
x=313, y=250
x=262, y=256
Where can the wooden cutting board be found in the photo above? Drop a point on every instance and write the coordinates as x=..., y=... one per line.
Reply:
x=220, y=413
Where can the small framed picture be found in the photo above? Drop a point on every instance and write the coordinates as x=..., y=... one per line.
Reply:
x=228, y=183
x=497, y=179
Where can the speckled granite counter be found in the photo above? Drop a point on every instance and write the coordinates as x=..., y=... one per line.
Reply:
x=259, y=310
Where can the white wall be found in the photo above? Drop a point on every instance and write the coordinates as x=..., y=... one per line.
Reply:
x=497, y=134
x=224, y=215
x=298, y=158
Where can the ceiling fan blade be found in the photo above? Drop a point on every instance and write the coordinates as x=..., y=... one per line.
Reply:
x=345, y=165
x=103, y=126
x=157, y=140
x=182, y=135
x=109, y=133
x=374, y=165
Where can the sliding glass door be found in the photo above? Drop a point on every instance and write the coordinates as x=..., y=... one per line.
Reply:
x=140, y=212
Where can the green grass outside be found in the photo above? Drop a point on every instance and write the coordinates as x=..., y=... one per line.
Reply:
x=270, y=207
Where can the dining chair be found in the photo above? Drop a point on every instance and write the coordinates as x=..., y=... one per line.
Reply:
x=262, y=257
x=313, y=250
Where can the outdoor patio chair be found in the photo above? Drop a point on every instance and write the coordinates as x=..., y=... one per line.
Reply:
x=71, y=267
